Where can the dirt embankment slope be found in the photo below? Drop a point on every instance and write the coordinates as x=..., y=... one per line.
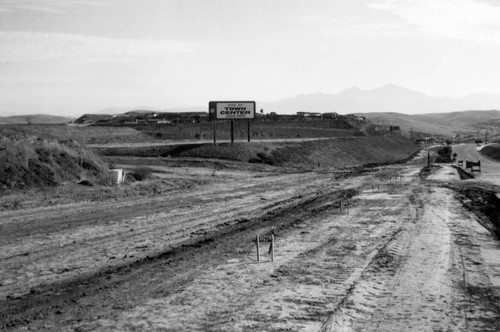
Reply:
x=37, y=162
x=491, y=151
x=340, y=152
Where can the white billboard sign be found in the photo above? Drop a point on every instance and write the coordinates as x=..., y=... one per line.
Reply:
x=231, y=110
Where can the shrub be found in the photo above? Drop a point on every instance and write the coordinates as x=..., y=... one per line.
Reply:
x=141, y=173
x=86, y=183
x=444, y=155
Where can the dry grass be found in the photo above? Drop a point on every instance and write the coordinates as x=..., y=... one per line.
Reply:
x=86, y=135
x=34, y=161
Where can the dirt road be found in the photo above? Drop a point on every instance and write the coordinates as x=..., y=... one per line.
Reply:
x=403, y=255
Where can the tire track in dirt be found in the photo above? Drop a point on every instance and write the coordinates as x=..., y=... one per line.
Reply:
x=314, y=266
x=264, y=199
x=430, y=279
x=419, y=293
x=109, y=240
x=396, y=262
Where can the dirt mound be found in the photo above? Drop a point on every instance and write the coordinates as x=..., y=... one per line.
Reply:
x=34, y=162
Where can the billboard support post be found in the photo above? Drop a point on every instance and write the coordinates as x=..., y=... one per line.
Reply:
x=232, y=131
x=215, y=140
x=211, y=108
x=248, y=122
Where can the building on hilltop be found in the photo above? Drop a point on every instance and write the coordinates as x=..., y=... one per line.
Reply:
x=330, y=115
x=309, y=115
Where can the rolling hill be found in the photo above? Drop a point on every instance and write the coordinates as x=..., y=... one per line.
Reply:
x=439, y=123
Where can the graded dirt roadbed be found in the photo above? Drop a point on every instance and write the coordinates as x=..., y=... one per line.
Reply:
x=407, y=256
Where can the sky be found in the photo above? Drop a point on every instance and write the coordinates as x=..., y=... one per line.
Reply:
x=70, y=57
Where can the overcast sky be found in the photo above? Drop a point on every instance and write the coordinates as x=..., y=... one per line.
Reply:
x=78, y=56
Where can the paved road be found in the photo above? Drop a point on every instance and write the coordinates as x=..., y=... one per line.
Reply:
x=490, y=169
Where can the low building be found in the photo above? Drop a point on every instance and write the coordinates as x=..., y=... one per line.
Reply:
x=330, y=115
x=309, y=115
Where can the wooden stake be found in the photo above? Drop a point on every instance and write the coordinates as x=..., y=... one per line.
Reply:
x=272, y=248
x=258, y=250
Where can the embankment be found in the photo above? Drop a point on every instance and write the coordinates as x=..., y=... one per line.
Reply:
x=340, y=152
x=37, y=162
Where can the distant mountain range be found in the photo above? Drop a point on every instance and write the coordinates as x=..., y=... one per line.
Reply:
x=387, y=98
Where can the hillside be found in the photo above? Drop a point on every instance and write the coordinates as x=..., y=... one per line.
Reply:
x=29, y=161
x=436, y=123
x=92, y=118
x=83, y=134
x=464, y=118
x=34, y=119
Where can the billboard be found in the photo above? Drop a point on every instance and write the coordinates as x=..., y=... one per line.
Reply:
x=231, y=110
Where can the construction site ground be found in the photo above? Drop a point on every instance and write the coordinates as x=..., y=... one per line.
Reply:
x=379, y=249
